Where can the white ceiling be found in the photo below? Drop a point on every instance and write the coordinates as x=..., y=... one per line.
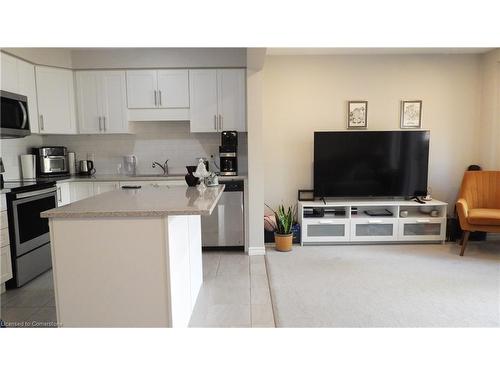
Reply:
x=374, y=51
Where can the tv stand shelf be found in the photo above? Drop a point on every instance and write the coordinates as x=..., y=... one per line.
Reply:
x=345, y=221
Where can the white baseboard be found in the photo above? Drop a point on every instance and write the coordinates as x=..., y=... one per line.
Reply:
x=2, y=288
x=493, y=237
x=257, y=250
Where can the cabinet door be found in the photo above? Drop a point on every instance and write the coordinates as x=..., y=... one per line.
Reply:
x=203, y=100
x=9, y=74
x=103, y=187
x=5, y=264
x=63, y=193
x=325, y=230
x=81, y=190
x=88, y=99
x=141, y=89
x=114, y=101
x=56, y=100
x=231, y=99
x=173, y=88
x=27, y=87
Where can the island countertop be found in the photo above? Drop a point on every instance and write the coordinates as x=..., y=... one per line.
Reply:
x=144, y=202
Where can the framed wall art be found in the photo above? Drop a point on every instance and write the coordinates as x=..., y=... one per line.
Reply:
x=357, y=114
x=411, y=114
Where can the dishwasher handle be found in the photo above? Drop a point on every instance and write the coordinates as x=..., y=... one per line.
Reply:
x=232, y=185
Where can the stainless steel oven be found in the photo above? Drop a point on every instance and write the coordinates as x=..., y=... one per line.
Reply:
x=14, y=117
x=30, y=239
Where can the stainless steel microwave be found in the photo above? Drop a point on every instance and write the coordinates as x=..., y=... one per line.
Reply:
x=14, y=121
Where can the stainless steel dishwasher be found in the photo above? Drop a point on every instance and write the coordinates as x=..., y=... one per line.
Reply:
x=224, y=229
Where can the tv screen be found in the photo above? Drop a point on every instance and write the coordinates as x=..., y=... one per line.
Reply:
x=370, y=163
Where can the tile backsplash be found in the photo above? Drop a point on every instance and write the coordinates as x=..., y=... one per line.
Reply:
x=150, y=141
x=10, y=149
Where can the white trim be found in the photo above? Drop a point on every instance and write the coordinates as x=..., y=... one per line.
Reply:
x=493, y=237
x=2, y=288
x=257, y=250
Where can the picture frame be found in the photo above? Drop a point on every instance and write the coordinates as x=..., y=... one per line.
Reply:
x=305, y=195
x=411, y=114
x=357, y=114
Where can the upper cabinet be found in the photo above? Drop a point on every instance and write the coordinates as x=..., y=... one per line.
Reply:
x=27, y=87
x=18, y=77
x=9, y=81
x=102, y=102
x=56, y=100
x=217, y=100
x=158, y=95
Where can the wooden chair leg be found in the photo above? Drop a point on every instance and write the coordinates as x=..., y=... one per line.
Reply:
x=465, y=239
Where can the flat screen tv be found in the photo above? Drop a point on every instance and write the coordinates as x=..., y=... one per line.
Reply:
x=370, y=163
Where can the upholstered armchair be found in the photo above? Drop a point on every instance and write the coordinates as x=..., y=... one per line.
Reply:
x=478, y=205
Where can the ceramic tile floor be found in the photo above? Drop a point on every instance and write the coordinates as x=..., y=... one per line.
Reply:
x=235, y=293
x=32, y=306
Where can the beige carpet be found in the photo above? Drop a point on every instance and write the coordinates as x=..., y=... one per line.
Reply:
x=386, y=286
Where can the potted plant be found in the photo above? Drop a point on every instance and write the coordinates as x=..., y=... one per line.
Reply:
x=282, y=226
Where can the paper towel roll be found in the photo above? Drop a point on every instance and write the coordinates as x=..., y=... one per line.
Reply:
x=71, y=162
x=28, y=164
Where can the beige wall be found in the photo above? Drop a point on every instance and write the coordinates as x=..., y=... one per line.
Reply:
x=490, y=110
x=307, y=93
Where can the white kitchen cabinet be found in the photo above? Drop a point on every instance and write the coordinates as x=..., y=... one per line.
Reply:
x=173, y=88
x=232, y=99
x=141, y=88
x=18, y=77
x=101, y=98
x=56, y=100
x=9, y=73
x=27, y=87
x=63, y=193
x=103, y=187
x=5, y=264
x=114, y=101
x=165, y=88
x=81, y=190
x=217, y=100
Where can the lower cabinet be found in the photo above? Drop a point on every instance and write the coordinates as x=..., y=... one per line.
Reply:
x=63, y=193
x=103, y=187
x=5, y=264
x=81, y=190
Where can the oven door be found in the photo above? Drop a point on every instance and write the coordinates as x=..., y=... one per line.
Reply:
x=30, y=230
x=14, y=115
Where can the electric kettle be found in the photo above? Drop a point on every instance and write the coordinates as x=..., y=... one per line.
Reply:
x=86, y=167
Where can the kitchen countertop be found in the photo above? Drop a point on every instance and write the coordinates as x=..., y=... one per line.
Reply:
x=144, y=202
x=117, y=177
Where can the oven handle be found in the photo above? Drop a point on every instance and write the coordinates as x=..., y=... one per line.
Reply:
x=35, y=193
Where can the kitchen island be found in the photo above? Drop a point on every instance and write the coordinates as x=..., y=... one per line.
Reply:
x=130, y=257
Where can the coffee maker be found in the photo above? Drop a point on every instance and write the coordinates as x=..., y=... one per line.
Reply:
x=228, y=152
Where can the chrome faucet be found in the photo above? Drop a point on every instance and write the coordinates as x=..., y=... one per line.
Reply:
x=164, y=167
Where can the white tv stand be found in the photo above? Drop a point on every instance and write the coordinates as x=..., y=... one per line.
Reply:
x=345, y=221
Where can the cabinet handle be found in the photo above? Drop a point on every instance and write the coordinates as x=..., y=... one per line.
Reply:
x=41, y=122
x=59, y=198
x=100, y=126
x=104, y=122
x=374, y=221
x=159, y=96
x=423, y=221
x=155, y=98
x=220, y=122
x=215, y=122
